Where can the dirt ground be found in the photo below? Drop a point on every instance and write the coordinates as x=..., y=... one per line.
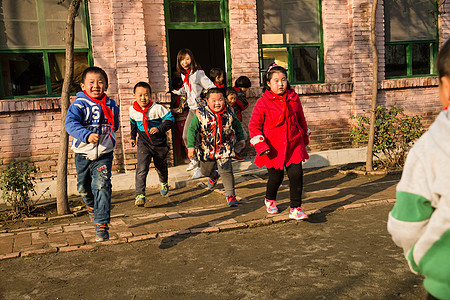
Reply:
x=346, y=254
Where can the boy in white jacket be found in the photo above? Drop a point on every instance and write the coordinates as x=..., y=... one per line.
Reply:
x=420, y=219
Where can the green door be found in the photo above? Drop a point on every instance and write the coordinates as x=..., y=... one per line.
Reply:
x=201, y=26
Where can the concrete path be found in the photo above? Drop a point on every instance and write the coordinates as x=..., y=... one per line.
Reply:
x=191, y=208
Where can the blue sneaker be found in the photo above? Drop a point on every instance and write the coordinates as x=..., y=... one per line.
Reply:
x=212, y=182
x=231, y=200
x=164, y=189
x=101, y=232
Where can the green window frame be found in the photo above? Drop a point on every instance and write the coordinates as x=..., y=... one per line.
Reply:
x=194, y=22
x=287, y=43
x=411, y=38
x=36, y=69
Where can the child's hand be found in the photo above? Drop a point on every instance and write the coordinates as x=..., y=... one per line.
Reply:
x=242, y=144
x=132, y=143
x=191, y=152
x=266, y=152
x=93, y=138
x=153, y=130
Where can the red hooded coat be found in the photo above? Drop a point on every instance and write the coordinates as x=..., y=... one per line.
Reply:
x=287, y=142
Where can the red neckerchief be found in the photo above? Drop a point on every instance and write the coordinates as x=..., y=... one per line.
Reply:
x=186, y=79
x=107, y=112
x=236, y=89
x=446, y=108
x=219, y=85
x=285, y=112
x=144, y=116
x=219, y=122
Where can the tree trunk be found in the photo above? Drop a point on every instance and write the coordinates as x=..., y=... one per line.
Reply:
x=369, y=158
x=62, y=202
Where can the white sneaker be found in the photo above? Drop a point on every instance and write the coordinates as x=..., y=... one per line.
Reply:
x=197, y=173
x=192, y=165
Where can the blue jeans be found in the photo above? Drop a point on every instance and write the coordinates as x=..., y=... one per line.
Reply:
x=94, y=184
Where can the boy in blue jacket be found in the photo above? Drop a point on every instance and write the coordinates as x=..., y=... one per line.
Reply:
x=92, y=120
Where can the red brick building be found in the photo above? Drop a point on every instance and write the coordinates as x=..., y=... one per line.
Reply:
x=325, y=44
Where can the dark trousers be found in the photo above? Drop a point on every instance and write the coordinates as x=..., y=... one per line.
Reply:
x=145, y=153
x=295, y=175
x=94, y=184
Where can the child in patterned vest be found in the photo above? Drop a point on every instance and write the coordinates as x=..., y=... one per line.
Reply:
x=217, y=125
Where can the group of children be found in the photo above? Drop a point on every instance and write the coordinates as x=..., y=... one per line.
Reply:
x=419, y=221
x=209, y=116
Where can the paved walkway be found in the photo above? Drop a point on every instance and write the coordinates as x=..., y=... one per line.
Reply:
x=191, y=208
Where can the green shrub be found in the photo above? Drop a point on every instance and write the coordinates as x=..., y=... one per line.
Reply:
x=17, y=185
x=395, y=133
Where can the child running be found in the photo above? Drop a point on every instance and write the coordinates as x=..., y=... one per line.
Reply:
x=194, y=82
x=217, y=126
x=420, y=220
x=92, y=120
x=278, y=131
x=151, y=121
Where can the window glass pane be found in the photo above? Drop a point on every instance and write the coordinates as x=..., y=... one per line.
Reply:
x=305, y=64
x=55, y=19
x=208, y=11
x=56, y=35
x=25, y=11
x=410, y=20
x=289, y=21
x=274, y=55
x=15, y=34
x=55, y=11
x=396, y=60
x=302, y=21
x=421, y=59
x=269, y=22
x=57, y=64
x=181, y=11
x=23, y=74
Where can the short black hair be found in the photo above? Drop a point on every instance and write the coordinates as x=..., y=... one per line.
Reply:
x=214, y=91
x=215, y=72
x=95, y=70
x=142, y=84
x=230, y=91
x=243, y=82
x=443, y=60
x=177, y=82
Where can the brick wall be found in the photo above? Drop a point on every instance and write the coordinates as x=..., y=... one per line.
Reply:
x=128, y=39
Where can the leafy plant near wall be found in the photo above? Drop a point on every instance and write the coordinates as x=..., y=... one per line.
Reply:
x=395, y=133
x=17, y=185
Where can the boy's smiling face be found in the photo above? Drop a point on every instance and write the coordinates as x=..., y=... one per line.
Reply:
x=142, y=96
x=231, y=99
x=216, y=102
x=94, y=85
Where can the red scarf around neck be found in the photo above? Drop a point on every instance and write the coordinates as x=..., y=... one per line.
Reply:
x=236, y=89
x=186, y=79
x=285, y=113
x=144, y=116
x=219, y=122
x=219, y=85
x=107, y=112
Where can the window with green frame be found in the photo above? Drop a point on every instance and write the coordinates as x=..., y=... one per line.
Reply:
x=290, y=34
x=411, y=34
x=196, y=11
x=32, y=47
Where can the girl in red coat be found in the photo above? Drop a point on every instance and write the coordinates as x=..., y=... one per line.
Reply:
x=279, y=133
